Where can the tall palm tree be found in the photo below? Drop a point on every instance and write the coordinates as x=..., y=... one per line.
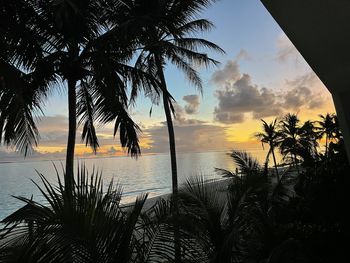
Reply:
x=166, y=35
x=309, y=136
x=327, y=129
x=165, y=31
x=78, y=43
x=271, y=136
x=290, y=145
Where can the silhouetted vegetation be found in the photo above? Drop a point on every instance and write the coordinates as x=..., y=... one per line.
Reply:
x=100, y=51
x=250, y=217
x=293, y=212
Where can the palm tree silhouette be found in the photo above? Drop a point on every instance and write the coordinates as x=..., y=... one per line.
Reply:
x=327, y=128
x=165, y=29
x=309, y=136
x=271, y=136
x=166, y=36
x=290, y=138
x=78, y=43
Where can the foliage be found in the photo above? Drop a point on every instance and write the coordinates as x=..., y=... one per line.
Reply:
x=87, y=225
x=271, y=136
x=45, y=43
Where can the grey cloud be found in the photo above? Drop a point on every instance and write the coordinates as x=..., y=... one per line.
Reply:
x=192, y=105
x=286, y=50
x=14, y=156
x=243, y=55
x=239, y=96
x=296, y=97
x=53, y=130
x=243, y=97
x=180, y=117
x=308, y=79
x=228, y=117
x=229, y=73
x=53, y=123
x=189, y=138
x=304, y=92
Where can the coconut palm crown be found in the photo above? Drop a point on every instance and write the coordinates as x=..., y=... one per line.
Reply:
x=270, y=136
x=72, y=43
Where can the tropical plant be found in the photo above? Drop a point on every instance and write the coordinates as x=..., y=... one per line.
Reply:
x=156, y=236
x=87, y=225
x=292, y=142
x=271, y=136
x=165, y=31
x=309, y=136
x=166, y=35
x=327, y=128
x=289, y=137
x=73, y=43
x=237, y=224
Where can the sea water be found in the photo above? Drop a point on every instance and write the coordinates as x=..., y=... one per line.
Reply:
x=148, y=174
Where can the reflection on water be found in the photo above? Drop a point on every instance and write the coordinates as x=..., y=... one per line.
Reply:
x=149, y=174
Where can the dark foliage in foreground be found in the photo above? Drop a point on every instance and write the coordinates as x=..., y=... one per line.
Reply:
x=86, y=225
x=254, y=216
x=90, y=224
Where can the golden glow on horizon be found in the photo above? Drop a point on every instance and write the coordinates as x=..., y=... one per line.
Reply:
x=83, y=151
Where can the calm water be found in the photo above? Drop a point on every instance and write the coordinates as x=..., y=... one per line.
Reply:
x=149, y=174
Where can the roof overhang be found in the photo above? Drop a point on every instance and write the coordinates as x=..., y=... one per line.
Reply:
x=320, y=30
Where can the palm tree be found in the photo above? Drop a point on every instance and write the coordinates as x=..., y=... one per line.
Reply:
x=290, y=144
x=327, y=128
x=165, y=35
x=271, y=136
x=237, y=224
x=165, y=30
x=308, y=136
x=78, y=43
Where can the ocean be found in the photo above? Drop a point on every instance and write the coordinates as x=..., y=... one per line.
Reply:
x=148, y=174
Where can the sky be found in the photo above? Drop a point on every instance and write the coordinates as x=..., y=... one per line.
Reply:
x=261, y=76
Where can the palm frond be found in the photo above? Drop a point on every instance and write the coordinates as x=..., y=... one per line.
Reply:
x=18, y=101
x=197, y=43
x=86, y=111
x=87, y=225
x=246, y=163
x=225, y=173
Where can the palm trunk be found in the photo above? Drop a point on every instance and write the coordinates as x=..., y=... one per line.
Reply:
x=172, y=145
x=296, y=164
x=326, y=153
x=275, y=163
x=72, y=99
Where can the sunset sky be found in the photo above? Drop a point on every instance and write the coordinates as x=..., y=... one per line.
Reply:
x=261, y=76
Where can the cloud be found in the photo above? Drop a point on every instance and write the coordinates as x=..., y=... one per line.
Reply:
x=230, y=73
x=238, y=97
x=180, y=117
x=189, y=138
x=192, y=105
x=242, y=97
x=305, y=91
x=53, y=130
x=243, y=55
x=297, y=97
x=286, y=51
